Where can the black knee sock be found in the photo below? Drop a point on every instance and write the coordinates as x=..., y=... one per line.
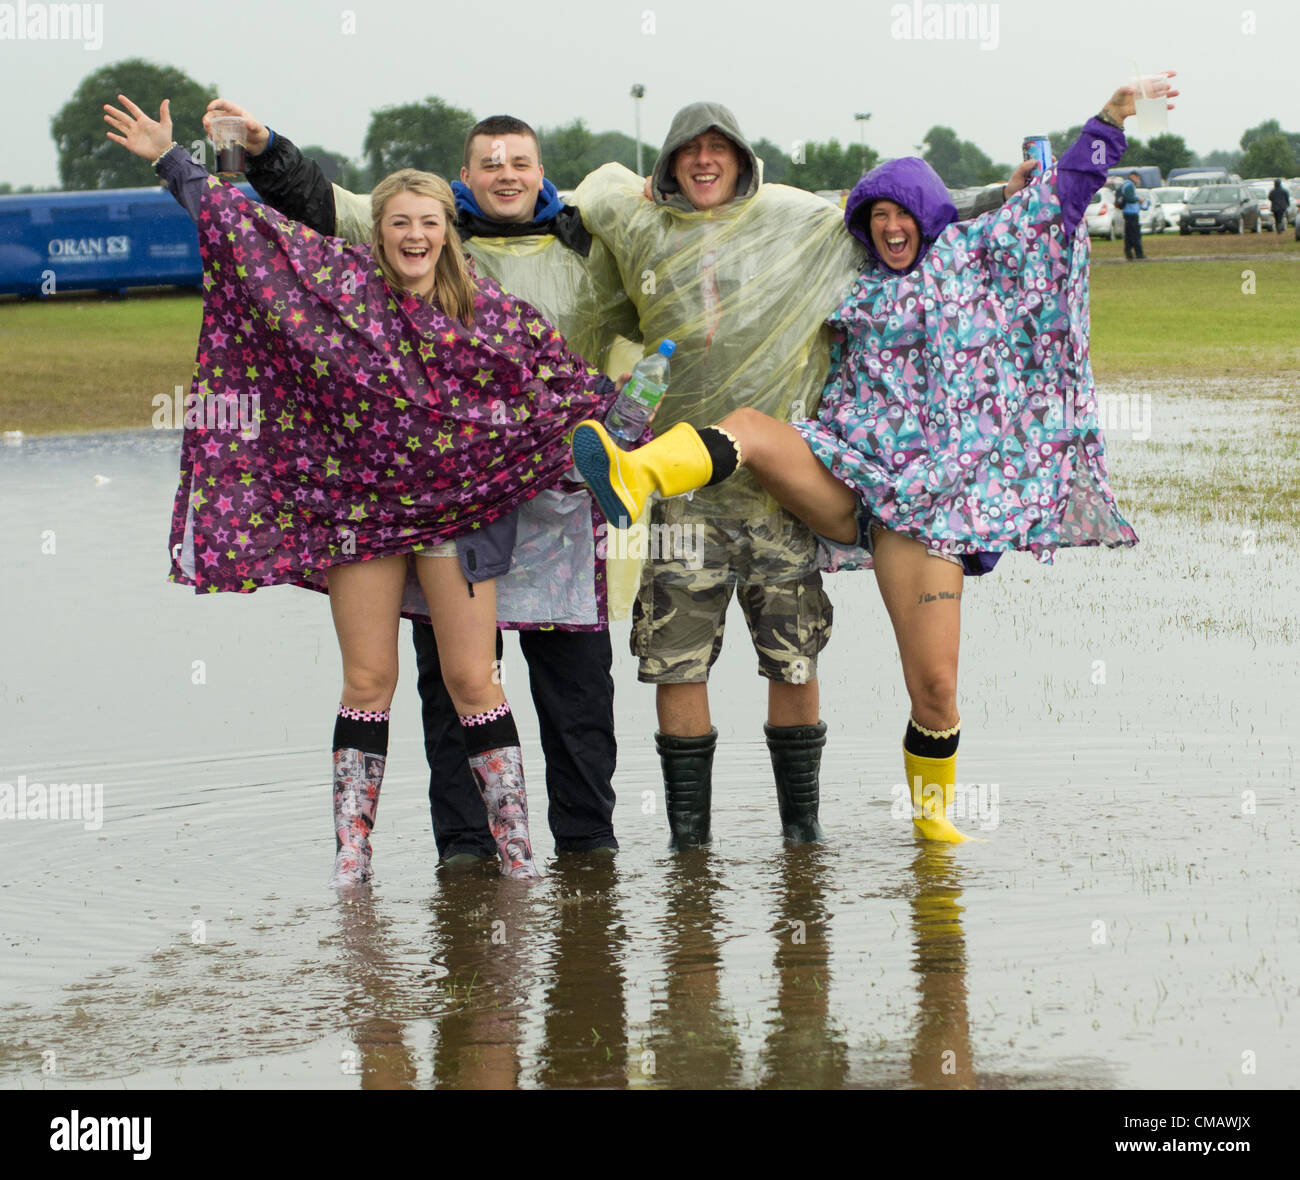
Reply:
x=360, y=729
x=926, y=743
x=724, y=452
x=489, y=731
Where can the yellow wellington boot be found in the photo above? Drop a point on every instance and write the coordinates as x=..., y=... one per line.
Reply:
x=931, y=779
x=675, y=462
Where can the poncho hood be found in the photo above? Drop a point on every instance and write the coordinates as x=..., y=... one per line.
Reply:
x=689, y=122
x=909, y=182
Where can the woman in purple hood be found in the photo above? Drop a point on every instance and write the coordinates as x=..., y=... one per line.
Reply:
x=959, y=420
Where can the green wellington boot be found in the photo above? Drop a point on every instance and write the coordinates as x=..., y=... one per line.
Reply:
x=688, y=787
x=796, y=762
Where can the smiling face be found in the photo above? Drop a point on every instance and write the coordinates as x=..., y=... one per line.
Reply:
x=895, y=234
x=708, y=169
x=413, y=228
x=505, y=176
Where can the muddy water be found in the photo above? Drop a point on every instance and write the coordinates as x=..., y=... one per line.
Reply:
x=1130, y=920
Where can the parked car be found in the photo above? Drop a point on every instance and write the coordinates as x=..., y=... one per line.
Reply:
x=1259, y=189
x=1200, y=177
x=1223, y=207
x=1151, y=215
x=1173, y=201
x=1099, y=215
x=1148, y=176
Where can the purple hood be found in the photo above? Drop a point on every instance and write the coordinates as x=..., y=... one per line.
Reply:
x=909, y=182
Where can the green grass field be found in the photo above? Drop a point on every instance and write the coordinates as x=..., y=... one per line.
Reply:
x=84, y=364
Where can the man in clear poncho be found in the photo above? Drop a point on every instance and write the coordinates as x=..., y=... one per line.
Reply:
x=741, y=275
x=517, y=230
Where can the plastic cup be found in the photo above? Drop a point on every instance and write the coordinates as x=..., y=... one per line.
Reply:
x=1149, y=91
x=228, y=140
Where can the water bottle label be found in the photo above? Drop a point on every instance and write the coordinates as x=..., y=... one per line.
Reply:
x=645, y=393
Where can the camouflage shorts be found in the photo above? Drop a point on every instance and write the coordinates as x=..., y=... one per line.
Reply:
x=769, y=563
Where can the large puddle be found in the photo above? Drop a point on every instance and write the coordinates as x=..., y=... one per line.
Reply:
x=1131, y=920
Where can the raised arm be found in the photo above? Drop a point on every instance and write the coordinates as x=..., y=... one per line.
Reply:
x=1083, y=167
x=151, y=139
x=284, y=178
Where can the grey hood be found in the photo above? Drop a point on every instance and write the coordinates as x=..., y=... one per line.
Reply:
x=689, y=122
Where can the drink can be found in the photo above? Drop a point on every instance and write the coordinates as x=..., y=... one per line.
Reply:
x=1037, y=147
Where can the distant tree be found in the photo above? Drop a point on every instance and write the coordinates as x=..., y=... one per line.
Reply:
x=1270, y=155
x=1267, y=130
x=87, y=158
x=1167, y=152
x=776, y=164
x=827, y=165
x=569, y=152
x=943, y=154
x=1134, y=155
x=333, y=164
x=1063, y=139
x=429, y=135
x=958, y=161
x=1220, y=159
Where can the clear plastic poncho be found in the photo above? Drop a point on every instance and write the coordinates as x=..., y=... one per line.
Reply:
x=743, y=290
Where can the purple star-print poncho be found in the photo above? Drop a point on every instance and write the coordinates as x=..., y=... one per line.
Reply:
x=960, y=405
x=342, y=420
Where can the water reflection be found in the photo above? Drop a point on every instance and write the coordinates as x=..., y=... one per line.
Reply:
x=584, y=1025
x=803, y=1048
x=941, y=1054
x=692, y=1028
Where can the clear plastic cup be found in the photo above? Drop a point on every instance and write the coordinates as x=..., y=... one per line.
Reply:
x=1149, y=96
x=228, y=139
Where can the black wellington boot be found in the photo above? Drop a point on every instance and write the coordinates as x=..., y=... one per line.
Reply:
x=796, y=762
x=688, y=787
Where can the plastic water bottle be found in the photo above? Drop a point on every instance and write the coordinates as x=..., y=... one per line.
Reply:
x=644, y=390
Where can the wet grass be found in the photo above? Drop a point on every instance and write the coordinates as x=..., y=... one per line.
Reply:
x=1248, y=480
x=76, y=365
x=1210, y=318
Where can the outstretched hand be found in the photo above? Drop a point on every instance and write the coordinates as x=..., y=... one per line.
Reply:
x=1123, y=102
x=257, y=134
x=139, y=134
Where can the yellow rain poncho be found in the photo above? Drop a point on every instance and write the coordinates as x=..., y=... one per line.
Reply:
x=744, y=290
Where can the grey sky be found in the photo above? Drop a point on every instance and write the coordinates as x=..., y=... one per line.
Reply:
x=789, y=71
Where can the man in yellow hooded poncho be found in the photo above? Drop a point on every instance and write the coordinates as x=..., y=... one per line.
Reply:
x=741, y=275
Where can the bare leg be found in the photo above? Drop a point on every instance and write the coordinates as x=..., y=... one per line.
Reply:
x=465, y=627
x=923, y=597
x=683, y=709
x=365, y=599
x=784, y=464
x=793, y=704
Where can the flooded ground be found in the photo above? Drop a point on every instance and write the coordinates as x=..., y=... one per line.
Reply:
x=1132, y=918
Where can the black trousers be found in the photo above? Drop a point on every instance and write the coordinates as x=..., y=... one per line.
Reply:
x=1133, y=237
x=573, y=691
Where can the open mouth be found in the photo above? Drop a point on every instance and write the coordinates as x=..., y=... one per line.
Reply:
x=414, y=252
x=896, y=247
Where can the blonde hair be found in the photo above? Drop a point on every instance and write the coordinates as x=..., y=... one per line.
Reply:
x=453, y=285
